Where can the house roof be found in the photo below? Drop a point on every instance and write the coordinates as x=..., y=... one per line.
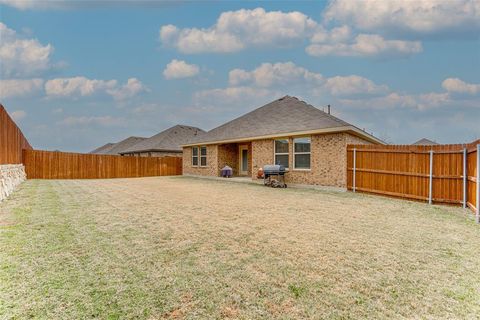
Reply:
x=116, y=148
x=287, y=115
x=103, y=149
x=425, y=142
x=170, y=139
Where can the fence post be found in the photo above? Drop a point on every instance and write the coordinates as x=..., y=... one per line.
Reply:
x=477, y=215
x=464, y=178
x=430, y=178
x=354, y=168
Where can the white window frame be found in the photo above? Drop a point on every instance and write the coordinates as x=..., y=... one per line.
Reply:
x=275, y=153
x=295, y=153
x=200, y=156
x=197, y=156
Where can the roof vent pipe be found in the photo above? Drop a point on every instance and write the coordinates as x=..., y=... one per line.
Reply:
x=328, y=109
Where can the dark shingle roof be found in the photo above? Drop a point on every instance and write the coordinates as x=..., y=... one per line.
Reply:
x=167, y=140
x=425, y=142
x=285, y=115
x=116, y=148
x=103, y=149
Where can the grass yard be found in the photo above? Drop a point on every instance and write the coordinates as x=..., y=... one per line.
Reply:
x=177, y=247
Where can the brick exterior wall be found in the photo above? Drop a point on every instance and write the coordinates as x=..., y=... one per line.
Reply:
x=262, y=154
x=328, y=159
x=212, y=163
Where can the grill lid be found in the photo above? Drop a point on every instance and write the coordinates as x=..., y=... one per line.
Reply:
x=273, y=168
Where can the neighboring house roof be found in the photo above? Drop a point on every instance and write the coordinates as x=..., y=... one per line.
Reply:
x=116, y=148
x=287, y=115
x=102, y=149
x=167, y=140
x=425, y=142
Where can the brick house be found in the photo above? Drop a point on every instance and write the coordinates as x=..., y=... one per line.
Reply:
x=166, y=143
x=309, y=142
x=116, y=148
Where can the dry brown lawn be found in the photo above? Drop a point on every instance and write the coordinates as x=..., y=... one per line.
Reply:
x=178, y=247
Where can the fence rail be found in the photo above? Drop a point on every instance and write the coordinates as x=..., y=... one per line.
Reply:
x=12, y=140
x=436, y=174
x=61, y=165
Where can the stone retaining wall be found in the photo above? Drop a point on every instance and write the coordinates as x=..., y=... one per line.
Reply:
x=11, y=175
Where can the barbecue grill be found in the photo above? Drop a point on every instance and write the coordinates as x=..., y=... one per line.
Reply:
x=274, y=170
x=226, y=172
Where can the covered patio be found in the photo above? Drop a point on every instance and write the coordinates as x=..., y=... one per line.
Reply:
x=238, y=156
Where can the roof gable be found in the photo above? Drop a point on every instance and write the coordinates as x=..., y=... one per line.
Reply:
x=103, y=149
x=425, y=142
x=117, y=148
x=285, y=115
x=170, y=139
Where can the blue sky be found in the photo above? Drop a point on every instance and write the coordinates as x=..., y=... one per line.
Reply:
x=76, y=75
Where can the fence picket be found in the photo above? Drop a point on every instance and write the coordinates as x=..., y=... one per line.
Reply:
x=62, y=165
x=436, y=174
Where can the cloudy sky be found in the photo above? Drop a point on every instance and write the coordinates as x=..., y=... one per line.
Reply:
x=76, y=75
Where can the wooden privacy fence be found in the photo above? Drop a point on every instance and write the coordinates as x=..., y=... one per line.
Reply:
x=12, y=140
x=437, y=174
x=61, y=165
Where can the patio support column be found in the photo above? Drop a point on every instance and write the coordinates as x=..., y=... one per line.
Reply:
x=354, y=168
x=464, y=178
x=430, y=180
x=477, y=215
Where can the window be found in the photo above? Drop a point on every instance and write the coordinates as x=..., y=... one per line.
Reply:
x=281, y=152
x=203, y=156
x=301, y=153
x=194, y=156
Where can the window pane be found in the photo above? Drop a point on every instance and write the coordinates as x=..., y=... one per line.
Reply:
x=203, y=151
x=203, y=161
x=302, y=144
x=195, y=151
x=302, y=161
x=195, y=161
x=281, y=146
x=282, y=159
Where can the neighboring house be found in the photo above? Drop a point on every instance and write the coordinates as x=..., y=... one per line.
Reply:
x=166, y=143
x=103, y=149
x=425, y=142
x=116, y=148
x=309, y=142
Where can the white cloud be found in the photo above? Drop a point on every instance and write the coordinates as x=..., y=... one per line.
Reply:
x=456, y=85
x=22, y=57
x=288, y=76
x=77, y=86
x=29, y=4
x=236, y=30
x=178, y=69
x=18, y=115
x=241, y=29
x=353, y=86
x=128, y=90
x=338, y=34
x=83, y=87
x=365, y=45
x=452, y=98
x=105, y=121
x=268, y=74
x=394, y=100
x=19, y=88
x=410, y=18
